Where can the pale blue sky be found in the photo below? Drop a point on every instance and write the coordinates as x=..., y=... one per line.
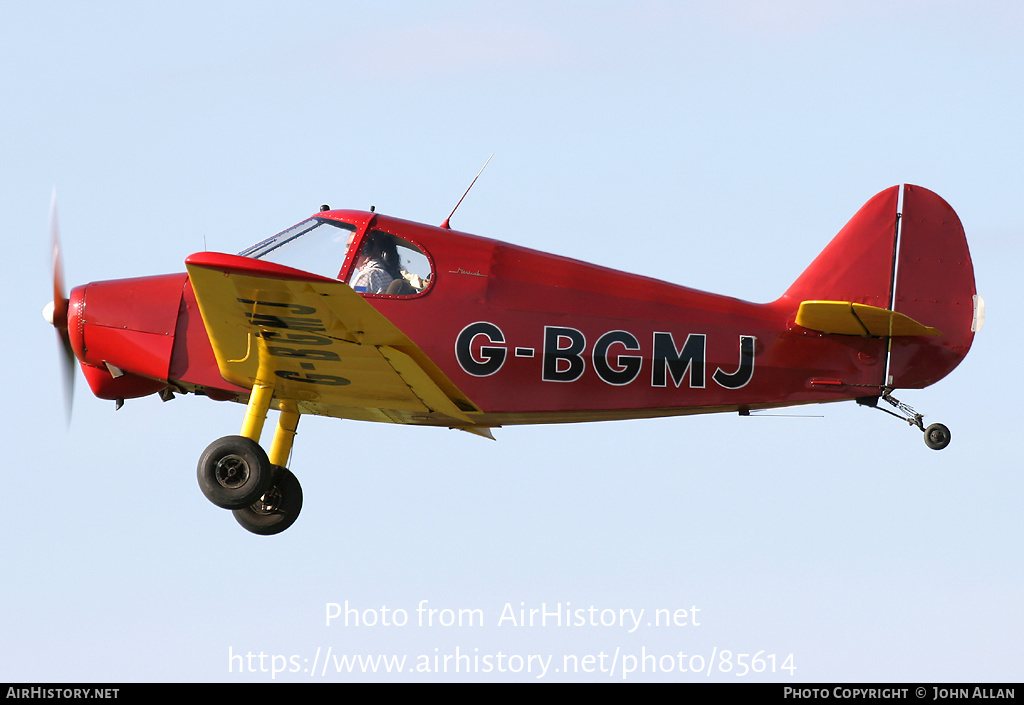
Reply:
x=720, y=145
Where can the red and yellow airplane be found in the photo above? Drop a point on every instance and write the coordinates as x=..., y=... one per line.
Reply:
x=359, y=315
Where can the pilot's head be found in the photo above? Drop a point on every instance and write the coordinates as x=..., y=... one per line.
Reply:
x=380, y=247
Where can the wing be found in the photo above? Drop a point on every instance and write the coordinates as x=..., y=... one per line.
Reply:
x=319, y=343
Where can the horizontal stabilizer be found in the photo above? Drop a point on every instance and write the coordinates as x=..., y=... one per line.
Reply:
x=849, y=318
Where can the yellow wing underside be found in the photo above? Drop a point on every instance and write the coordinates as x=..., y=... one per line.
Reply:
x=848, y=318
x=320, y=344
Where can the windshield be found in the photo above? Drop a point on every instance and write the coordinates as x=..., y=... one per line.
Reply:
x=316, y=245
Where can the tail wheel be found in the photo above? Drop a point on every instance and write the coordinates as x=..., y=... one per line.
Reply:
x=277, y=509
x=234, y=472
x=936, y=436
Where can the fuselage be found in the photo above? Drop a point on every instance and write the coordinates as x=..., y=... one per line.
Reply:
x=528, y=337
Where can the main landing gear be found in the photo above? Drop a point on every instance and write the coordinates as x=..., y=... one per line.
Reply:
x=936, y=436
x=235, y=473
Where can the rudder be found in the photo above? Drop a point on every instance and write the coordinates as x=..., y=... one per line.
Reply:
x=934, y=284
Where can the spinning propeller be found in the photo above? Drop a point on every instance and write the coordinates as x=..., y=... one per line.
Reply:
x=56, y=312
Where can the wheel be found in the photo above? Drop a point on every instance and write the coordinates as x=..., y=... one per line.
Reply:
x=234, y=472
x=936, y=436
x=276, y=510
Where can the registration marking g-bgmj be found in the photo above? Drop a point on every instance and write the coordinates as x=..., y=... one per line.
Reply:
x=616, y=356
x=297, y=325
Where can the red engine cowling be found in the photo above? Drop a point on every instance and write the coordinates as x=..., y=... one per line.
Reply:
x=122, y=332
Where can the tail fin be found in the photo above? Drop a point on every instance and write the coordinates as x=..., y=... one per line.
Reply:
x=915, y=264
x=857, y=265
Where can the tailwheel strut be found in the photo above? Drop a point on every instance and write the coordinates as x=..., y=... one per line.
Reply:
x=936, y=436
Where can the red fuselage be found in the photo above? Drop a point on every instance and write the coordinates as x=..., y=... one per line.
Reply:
x=528, y=337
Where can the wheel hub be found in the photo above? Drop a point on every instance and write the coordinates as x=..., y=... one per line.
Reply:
x=232, y=471
x=268, y=503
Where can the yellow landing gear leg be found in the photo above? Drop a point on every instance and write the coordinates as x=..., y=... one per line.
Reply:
x=256, y=411
x=278, y=508
x=284, y=436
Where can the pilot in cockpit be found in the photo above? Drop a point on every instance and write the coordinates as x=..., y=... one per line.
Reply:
x=378, y=264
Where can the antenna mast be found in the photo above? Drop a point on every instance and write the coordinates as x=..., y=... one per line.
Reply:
x=445, y=224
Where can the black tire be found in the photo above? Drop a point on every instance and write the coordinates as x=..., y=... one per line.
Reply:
x=276, y=510
x=234, y=472
x=937, y=436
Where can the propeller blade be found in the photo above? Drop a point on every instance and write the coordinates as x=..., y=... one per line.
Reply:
x=56, y=312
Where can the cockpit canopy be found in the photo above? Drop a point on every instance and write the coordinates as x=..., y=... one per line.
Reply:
x=317, y=245
x=386, y=264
